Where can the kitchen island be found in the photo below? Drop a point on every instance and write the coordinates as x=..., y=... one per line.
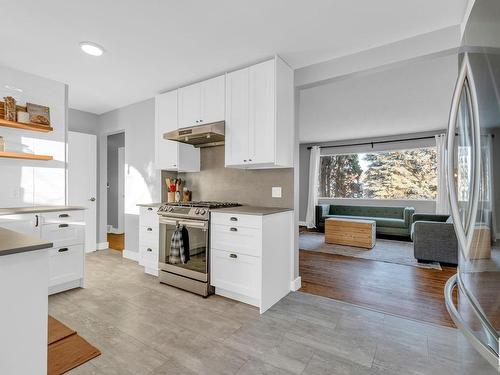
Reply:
x=24, y=277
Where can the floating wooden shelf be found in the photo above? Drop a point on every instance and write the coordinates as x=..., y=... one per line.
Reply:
x=20, y=125
x=22, y=155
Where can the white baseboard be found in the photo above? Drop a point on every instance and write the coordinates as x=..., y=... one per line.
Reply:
x=296, y=284
x=102, y=245
x=132, y=255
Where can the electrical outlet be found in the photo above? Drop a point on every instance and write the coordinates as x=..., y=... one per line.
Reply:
x=276, y=192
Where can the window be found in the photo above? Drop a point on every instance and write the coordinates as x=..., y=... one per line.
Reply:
x=401, y=174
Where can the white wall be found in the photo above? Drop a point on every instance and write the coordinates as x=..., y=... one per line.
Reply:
x=142, y=181
x=411, y=98
x=25, y=183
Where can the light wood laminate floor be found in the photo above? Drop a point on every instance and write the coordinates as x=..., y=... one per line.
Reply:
x=143, y=327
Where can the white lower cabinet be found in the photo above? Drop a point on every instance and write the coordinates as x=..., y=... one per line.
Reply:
x=251, y=257
x=149, y=239
x=66, y=230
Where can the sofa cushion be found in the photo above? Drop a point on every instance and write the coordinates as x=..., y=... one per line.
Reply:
x=367, y=211
x=381, y=221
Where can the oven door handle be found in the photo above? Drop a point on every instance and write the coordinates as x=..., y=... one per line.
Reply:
x=194, y=224
x=168, y=221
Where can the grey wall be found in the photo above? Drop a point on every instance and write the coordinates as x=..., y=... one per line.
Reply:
x=304, y=155
x=114, y=142
x=83, y=122
x=253, y=187
x=142, y=180
x=413, y=97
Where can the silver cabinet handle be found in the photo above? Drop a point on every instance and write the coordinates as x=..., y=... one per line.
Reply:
x=234, y=256
x=63, y=225
x=232, y=218
x=232, y=229
x=150, y=209
x=149, y=249
x=63, y=215
x=63, y=249
x=92, y=199
x=149, y=229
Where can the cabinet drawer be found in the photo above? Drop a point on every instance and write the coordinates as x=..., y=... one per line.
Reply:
x=149, y=255
x=65, y=264
x=76, y=216
x=241, y=240
x=237, y=220
x=64, y=234
x=149, y=234
x=148, y=216
x=236, y=273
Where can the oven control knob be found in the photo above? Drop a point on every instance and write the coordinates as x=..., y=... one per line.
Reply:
x=202, y=212
x=197, y=211
x=170, y=209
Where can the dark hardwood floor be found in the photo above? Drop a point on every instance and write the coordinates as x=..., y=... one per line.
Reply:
x=411, y=292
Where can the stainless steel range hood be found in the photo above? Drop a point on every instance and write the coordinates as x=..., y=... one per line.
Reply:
x=199, y=136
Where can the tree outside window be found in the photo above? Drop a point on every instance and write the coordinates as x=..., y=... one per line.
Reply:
x=401, y=174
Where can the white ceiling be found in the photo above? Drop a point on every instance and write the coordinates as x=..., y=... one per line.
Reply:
x=154, y=45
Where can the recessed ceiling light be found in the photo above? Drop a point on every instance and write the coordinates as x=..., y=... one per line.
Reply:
x=91, y=48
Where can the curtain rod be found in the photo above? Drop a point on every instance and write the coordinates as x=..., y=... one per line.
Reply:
x=378, y=142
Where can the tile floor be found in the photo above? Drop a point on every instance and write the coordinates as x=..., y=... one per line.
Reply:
x=143, y=327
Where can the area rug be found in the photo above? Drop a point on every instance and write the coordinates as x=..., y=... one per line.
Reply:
x=390, y=251
x=66, y=349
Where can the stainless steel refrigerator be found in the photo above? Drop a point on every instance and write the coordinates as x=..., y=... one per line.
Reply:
x=473, y=171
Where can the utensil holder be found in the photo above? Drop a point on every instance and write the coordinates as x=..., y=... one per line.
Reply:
x=171, y=196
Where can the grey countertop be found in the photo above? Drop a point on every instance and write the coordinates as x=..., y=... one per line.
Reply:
x=252, y=210
x=14, y=242
x=154, y=204
x=37, y=209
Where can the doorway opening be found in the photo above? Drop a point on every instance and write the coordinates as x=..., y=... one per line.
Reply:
x=115, y=190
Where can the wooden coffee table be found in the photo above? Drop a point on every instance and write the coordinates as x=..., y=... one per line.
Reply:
x=350, y=232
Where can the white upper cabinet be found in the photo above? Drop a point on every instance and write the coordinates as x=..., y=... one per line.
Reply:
x=170, y=155
x=260, y=116
x=202, y=103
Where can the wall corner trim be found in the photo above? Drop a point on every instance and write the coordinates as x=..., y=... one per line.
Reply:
x=102, y=245
x=296, y=284
x=132, y=255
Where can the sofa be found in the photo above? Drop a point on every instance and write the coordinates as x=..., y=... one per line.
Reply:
x=394, y=221
x=434, y=238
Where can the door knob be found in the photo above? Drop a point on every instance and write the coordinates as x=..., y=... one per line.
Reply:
x=92, y=199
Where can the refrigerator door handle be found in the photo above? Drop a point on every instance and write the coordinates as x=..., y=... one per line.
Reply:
x=486, y=351
x=464, y=230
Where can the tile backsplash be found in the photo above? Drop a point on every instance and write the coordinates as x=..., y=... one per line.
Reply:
x=252, y=187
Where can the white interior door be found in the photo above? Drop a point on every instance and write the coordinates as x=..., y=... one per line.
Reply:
x=82, y=181
x=121, y=189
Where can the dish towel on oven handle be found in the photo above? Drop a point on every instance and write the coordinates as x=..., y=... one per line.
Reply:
x=176, y=246
x=179, y=246
x=185, y=245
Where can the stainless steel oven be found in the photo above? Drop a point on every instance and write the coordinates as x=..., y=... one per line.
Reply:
x=188, y=222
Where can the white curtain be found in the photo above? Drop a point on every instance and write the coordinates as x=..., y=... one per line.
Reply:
x=442, y=200
x=487, y=198
x=312, y=198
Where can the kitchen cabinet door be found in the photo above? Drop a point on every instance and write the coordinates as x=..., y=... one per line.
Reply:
x=261, y=130
x=190, y=105
x=213, y=100
x=24, y=223
x=237, y=120
x=166, y=120
x=171, y=155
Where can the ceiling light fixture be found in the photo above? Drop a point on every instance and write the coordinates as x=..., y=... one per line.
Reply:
x=91, y=48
